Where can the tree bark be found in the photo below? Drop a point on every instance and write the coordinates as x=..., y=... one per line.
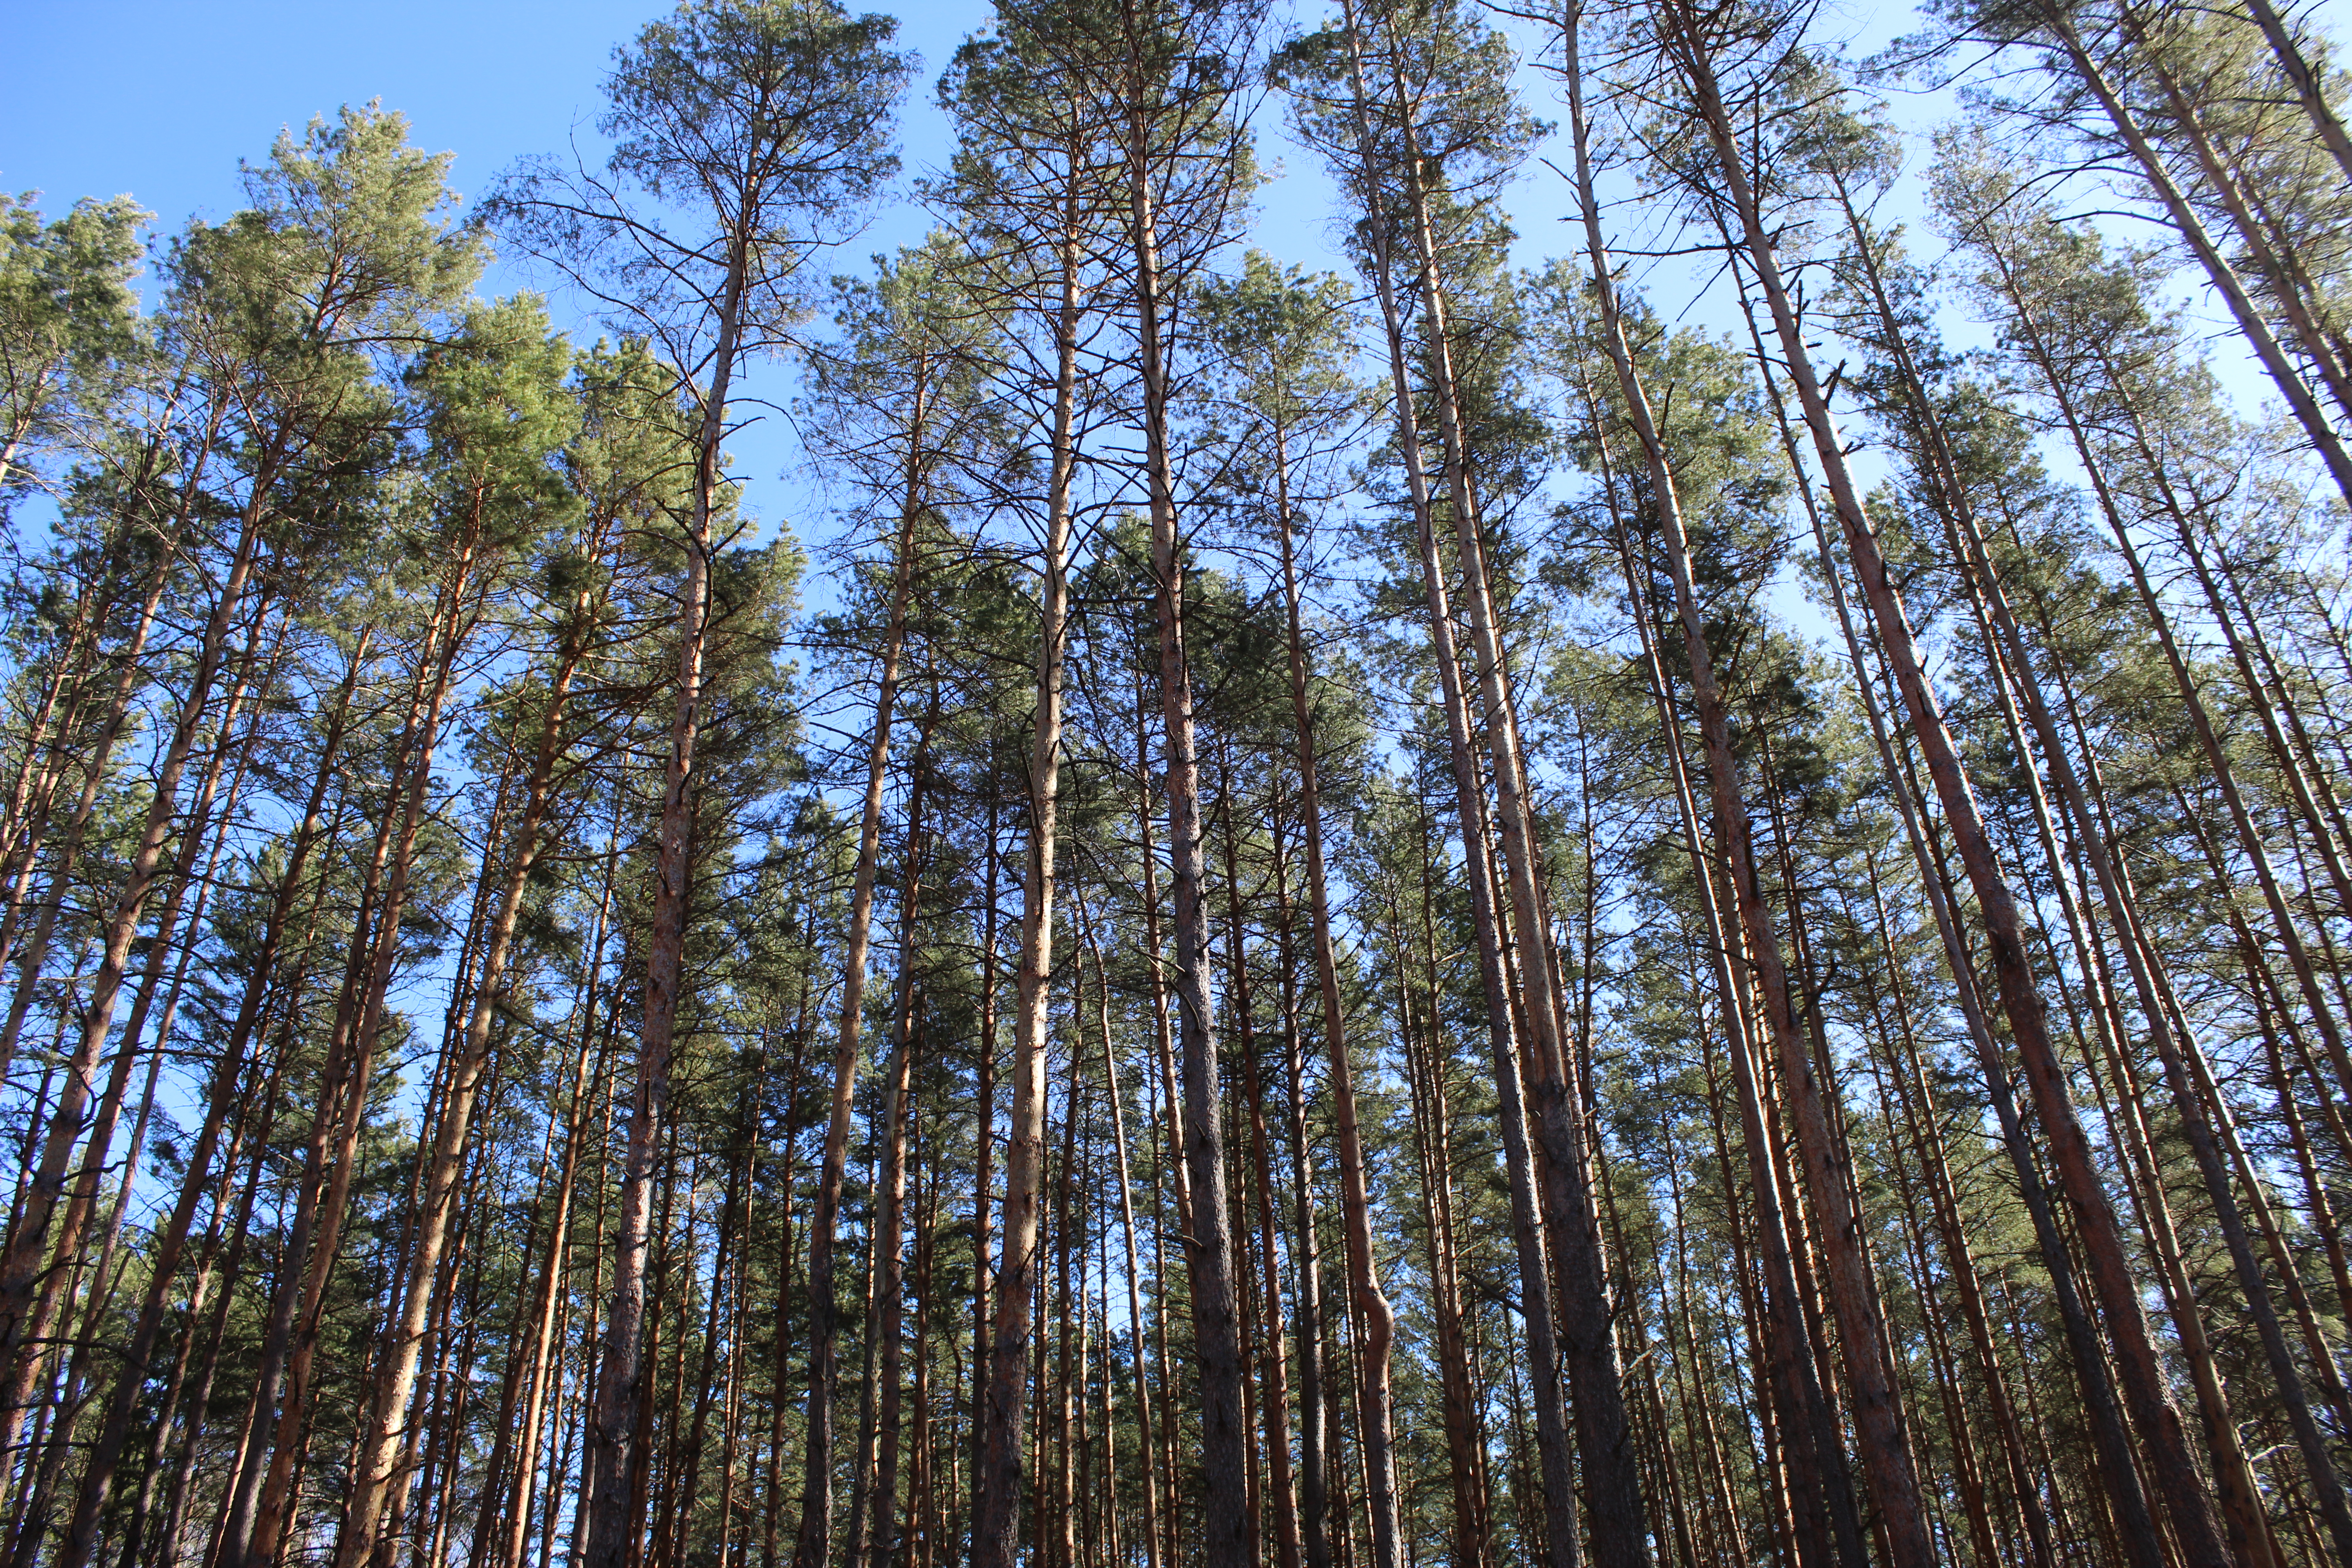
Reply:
x=2188, y=1501
x=812, y=1543
x=997, y=1474
x=1226, y=1542
x=621, y=1383
x=373, y=1474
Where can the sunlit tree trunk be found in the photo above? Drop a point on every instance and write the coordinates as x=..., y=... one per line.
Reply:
x=998, y=1473
x=2188, y=1501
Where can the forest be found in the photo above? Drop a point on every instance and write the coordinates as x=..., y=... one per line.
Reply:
x=1458, y=910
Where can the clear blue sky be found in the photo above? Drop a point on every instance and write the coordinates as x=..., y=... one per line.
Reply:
x=162, y=99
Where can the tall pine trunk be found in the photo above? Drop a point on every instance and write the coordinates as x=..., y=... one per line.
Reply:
x=998, y=1471
x=2187, y=1502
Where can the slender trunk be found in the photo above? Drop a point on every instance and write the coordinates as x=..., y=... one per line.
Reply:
x=170, y=1238
x=117, y=711
x=2310, y=88
x=196, y=1394
x=2275, y=703
x=332, y=1147
x=621, y=1381
x=2188, y=1501
x=997, y=1481
x=2218, y=271
x=1305, y=1266
x=1275, y=1375
x=434, y=1211
x=1432, y=1142
x=2126, y=1495
x=2169, y=1040
x=779, y=1398
x=81, y=1190
x=1058, y=1388
x=886, y=1328
x=682, y=1495
x=1619, y=1530
x=1376, y=1318
x=1145, y=1440
x=504, y=1536
x=1586, y=1354
x=22, y=1326
x=1878, y=1424
x=813, y=1545
x=2268, y=250
x=1822, y=1519
x=984, y=1133
x=2113, y=1444
x=1225, y=1541
x=1912, y=1094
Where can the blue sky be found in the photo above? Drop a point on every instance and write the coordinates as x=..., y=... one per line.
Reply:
x=162, y=99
